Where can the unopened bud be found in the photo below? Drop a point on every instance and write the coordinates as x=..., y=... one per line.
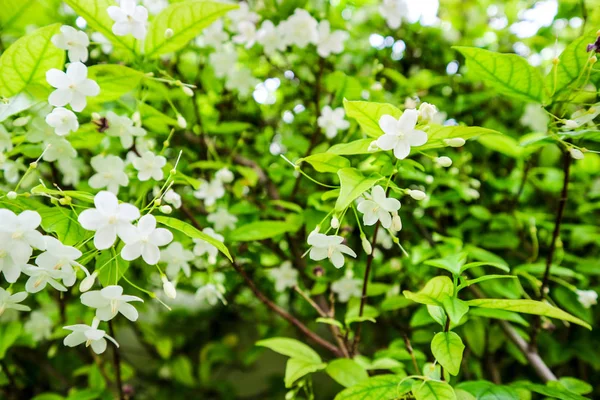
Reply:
x=455, y=142
x=33, y=165
x=444, y=161
x=593, y=59
x=136, y=118
x=168, y=288
x=396, y=222
x=569, y=123
x=417, y=194
x=555, y=61
x=576, y=153
x=188, y=91
x=65, y=201
x=168, y=33
x=166, y=209
x=373, y=146
x=22, y=121
x=335, y=222
x=157, y=202
x=96, y=116
x=87, y=283
x=181, y=121
x=366, y=245
x=11, y=195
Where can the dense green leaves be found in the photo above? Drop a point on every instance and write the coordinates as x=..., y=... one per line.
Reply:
x=367, y=114
x=353, y=184
x=572, y=63
x=27, y=60
x=509, y=74
x=326, y=162
x=381, y=387
x=447, y=348
x=433, y=292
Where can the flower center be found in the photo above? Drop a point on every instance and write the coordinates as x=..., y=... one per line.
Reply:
x=114, y=306
x=17, y=235
x=112, y=219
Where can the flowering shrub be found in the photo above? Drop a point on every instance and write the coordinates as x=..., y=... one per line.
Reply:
x=360, y=199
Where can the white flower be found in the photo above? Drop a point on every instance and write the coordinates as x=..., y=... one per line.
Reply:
x=168, y=288
x=222, y=219
x=246, y=35
x=144, y=240
x=110, y=173
x=587, y=298
x=155, y=6
x=393, y=11
x=455, y=142
x=214, y=35
x=87, y=282
x=300, y=29
x=11, y=301
x=177, y=258
x=366, y=245
x=40, y=276
x=443, y=161
x=122, y=127
x=88, y=334
x=71, y=169
x=211, y=294
x=63, y=121
x=149, y=166
x=241, y=80
x=172, y=198
x=5, y=140
x=223, y=60
x=59, y=149
x=346, y=288
x=72, y=87
x=110, y=301
x=427, y=112
x=105, y=44
x=399, y=135
x=582, y=117
x=108, y=219
x=39, y=326
x=270, y=37
x=129, y=19
x=18, y=233
x=328, y=246
x=535, y=118
x=378, y=208
x=74, y=41
x=332, y=120
x=576, y=154
x=203, y=247
x=285, y=276
x=60, y=257
x=570, y=124
x=8, y=266
x=330, y=42
x=224, y=175
x=242, y=13
x=210, y=192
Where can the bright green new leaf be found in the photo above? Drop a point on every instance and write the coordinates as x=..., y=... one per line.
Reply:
x=451, y=263
x=346, y=372
x=113, y=267
x=447, y=348
x=75, y=194
x=556, y=392
x=360, y=146
x=509, y=74
x=455, y=308
x=487, y=390
x=27, y=60
x=484, y=278
x=571, y=64
x=432, y=390
x=325, y=162
x=291, y=348
x=261, y=230
x=353, y=184
x=500, y=266
x=433, y=292
x=193, y=233
x=114, y=80
x=9, y=332
x=187, y=19
x=527, y=307
x=505, y=145
x=63, y=222
x=368, y=113
x=297, y=368
x=381, y=387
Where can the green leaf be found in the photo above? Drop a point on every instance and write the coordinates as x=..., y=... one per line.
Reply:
x=571, y=63
x=326, y=162
x=183, y=371
x=484, y=278
x=455, y=308
x=483, y=390
x=9, y=332
x=193, y=233
x=447, y=348
x=432, y=390
x=575, y=385
x=96, y=15
x=433, y=292
x=291, y=348
x=63, y=222
x=360, y=146
x=296, y=369
x=48, y=396
x=330, y=321
x=556, y=392
x=451, y=263
x=114, y=80
x=353, y=184
x=505, y=145
x=16, y=16
x=187, y=19
x=27, y=60
x=467, y=266
x=75, y=194
x=346, y=372
x=368, y=113
x=509, y=74
x=381, y=387
x=113, y=267
x=498, y=314
x=228, y=127
x=437, y=133
x=527, y=307
x=261, y=230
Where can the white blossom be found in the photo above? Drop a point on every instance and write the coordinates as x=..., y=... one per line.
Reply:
x=328, y=246
x=123, y=127
x=393, y=11
x=63, y=121
x=284, y=277
x=455, y=142
x=535, y=118
x=417, y=194
x=177, y=258
x=39, y=326
x=74, y=41
x=72, y=87
x=270, y=37
x=400, y=134
x=330, y=42
x=583, y=117
x=172, y=198
x=10, y=301
x=332, y=120
x=18, y=235
x=144, y=240
x=427, y=112
x=210, y=294
x=587, y=298
x=443, y=161
x=87, y=282
x=242, y=13
x=149, y=166
x=242, y=81
x=129, y=19
x=88, y=334
x=222, y=219
x=105, y=44
x=576, y=154
x=300, y=29
x=110, y=301
x=246, y=35
x=202, y=247
x=108, y=219
x=57, y=149
x=210, y=192
x=214, y=35
x=110, y=173
x=169, y=288
x=223, y=60
x=346, y=288
x=378, y=208
x=224, y=175
x=60, y=257
x=40, y=276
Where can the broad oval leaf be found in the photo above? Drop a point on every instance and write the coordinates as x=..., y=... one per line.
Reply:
x=114, y=80
x=381, y=387
x=433, y=292
x=187, y=19
x=326, y=162
x=447, y=348
x=27, y=60
x=509, y=74
x=353, y=184
x=433, y=390
x=194, y=233
x=291, y=348
x=483, y=390
x=360, y=146
x=62, y=222
x=296, y=369
x=346, y=372
x=367, y=114
x=261, y=230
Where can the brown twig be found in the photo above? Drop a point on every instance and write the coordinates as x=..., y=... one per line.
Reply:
x=412, y=354
x=117, y=363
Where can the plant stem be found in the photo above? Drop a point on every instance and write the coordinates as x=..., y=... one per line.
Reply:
x=117, y=363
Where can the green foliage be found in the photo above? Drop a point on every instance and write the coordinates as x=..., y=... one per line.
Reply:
x=433, y=390
x=367, y=114
x=346, y=372
x=353, y=184
x=381, y=387
x=447, y=348
x=114, y=81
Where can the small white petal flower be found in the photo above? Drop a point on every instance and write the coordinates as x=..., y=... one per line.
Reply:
x=400, y=134
x=331, y=121
x=144, y=240
x=40, y=276
x=378, y=208
x=129, y=19
x=108, y=219
x=242, y=13
x=394, y=11
x=110, y=173
x=443, y=161
x=19, y=234
x=211, y=294
x=224, y=175
x=246, y=35
x=11, y=301
x=242, y=81
x=72, y=87
x=203, y=247
x=60, y=257
x=346, y=288
x=123, y=127
x=149, y=166
x=88, y=334
x=222, y=219
x=210, y=192
x=427, y=112
x=223, y=60
x=177, y=258
x=63, y=121
x=74, y=41
x=213, y=36
x=284, y=277
x=300, y=29
x=110, y=301
x=328, y=246
x=587, y=298
x=39, y=326
x=270, y=37
x=172, y=198
x=330, y=42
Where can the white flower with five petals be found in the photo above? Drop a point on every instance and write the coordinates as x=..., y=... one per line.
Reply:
x=394, y=11
x=346, y=288
x=8, y=266
x=11, y=301
x=110, y=173
x=123, y=127
x=129, y=19
x=40, y=276
x=332, y=120
x=400, y=134
x=270, y=37
x=60, y=257
x=110, y=301
x=74, y=41
x=285, y=276
x=149, y=166
x=19, y=234
x=242, y=13
x=300, y=28
x=203, y=247
x=246, y=35
x=330, y=42
x=88, y=334
x=328, y=246
x=222, y=219
x=213, y=36
x=72, y=87
x=63, y=121
x=177, y=258
x=210, y=192
x=378, y=208
x=144, y=240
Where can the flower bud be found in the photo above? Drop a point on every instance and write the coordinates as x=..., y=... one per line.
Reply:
x=576, y=153
x=373, y=146
x=168, y=33
x=87, y=283
x=181, y=121
x=396, y=222
x=569, y=123
x=335, y=222
x=366, y=245
x=188, y=91
x=166, y=209
x=427, y=111
x=11, y=195
x=417, y=194
x=444, y=161
x=22, y=121
x=455, y=142
x=168, y=288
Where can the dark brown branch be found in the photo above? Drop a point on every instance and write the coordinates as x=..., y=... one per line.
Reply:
x=117, y=363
